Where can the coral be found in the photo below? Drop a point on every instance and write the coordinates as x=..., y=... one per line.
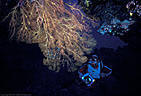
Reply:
x=108, y=10
x=116, y=27
x=61, y=30
x=134, y=7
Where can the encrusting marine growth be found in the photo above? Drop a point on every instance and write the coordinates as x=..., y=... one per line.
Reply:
x=61, y=30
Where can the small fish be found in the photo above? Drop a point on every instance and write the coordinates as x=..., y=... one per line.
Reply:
x=87, y=3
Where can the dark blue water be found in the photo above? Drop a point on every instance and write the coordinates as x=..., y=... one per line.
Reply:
x=22, y=71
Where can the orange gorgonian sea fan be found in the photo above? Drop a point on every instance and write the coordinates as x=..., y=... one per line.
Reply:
x=60, y=30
